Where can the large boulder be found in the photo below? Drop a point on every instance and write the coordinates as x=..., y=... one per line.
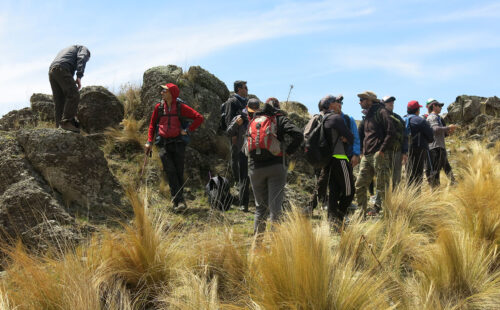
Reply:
x=42, y=106
x=99, y=109
x=464, y=109
x=75, y=167
x=17, y=119
x=26, y=200
x=491, y=106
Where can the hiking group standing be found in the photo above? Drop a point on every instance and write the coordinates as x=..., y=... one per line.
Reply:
x=382, y=145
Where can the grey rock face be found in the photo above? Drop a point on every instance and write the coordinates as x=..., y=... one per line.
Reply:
x=18, y=119
x=464, y=109
x=42, y=106
x=99, y=109
x=491, y=106
x=75, y=167
x=25, y=198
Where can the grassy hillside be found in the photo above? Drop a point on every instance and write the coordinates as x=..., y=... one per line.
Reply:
x=430, y=249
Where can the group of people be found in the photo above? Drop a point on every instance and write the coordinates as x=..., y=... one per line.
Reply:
x=381, y=145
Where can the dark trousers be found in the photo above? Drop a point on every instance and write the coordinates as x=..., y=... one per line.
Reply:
x=439, y=161
x=416, y=161
x=319, y=195
x=65, y=94
x=172, y=158
x=341, y=189
x=239, y=165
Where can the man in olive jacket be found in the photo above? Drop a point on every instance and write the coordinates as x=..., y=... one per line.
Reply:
x=376, y=135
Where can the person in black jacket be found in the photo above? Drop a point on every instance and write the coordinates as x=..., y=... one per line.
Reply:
x=239, y=161
x=421, y=135
x=340, y=178
x=64, y=87
x=267, y=170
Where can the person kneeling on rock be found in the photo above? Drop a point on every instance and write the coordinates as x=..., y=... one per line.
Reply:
x=167, y=123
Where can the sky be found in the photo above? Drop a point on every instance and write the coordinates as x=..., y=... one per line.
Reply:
x=412, y=50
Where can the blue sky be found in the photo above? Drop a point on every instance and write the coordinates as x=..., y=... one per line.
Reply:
x=410, y=49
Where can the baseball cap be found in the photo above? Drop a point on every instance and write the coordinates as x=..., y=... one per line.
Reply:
x=388, y=99
x=433, y=101
x=414, y=105
x=253, y=105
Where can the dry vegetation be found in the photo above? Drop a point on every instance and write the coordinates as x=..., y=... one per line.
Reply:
x=431, y=250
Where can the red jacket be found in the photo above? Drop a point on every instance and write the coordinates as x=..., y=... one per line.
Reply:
x=170, y=125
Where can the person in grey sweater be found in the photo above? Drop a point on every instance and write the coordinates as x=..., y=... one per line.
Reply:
x=64, y=87
x=437, y=149
x=237, y=128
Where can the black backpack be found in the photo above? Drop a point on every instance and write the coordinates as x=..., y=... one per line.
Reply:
x=218, y=192
x=317, y=149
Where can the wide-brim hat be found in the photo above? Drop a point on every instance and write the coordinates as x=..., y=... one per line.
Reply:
x=368, y=95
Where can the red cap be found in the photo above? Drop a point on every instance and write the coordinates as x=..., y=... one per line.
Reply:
x=414, y=105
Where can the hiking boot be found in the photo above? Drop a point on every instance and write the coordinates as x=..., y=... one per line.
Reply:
x=181, y=206
x=69, y=126
x=243, y=208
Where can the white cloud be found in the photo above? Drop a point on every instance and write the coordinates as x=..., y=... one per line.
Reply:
x=126, y=58
x=491, y=10
x=418, y=59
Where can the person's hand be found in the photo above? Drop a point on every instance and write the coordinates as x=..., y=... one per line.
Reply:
x=452, y=128
x=183, y=132
x=354, y=160
x=79, y=83
x=239, y=120
x=147, y=148
x=404, y=159
x=344, y=139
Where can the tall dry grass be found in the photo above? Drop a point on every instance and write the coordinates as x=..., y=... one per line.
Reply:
x=434, y=249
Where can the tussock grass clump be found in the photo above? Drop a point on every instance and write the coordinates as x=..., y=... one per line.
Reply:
x=130, y=96
x=301, y=270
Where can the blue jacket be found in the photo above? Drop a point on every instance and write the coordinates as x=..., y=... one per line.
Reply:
x=419, y=131
x=354, y=148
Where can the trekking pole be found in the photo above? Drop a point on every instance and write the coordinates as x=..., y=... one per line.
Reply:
x=291, y=87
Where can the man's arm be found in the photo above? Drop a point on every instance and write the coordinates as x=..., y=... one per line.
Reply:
x=339, y=125
x=188, y=112
x=82, y=57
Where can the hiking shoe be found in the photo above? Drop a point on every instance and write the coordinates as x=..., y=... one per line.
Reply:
x=69, y=126
x=244, y=208
x=179, y=207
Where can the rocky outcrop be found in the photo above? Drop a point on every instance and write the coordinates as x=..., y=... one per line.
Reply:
x=75, y=167
x=491, y=106
x=99, y=109
x=464, y=109
x=17, y=119
x=42, y=106
x=26, y=200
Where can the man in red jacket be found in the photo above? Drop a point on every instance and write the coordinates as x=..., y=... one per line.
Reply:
x=167, y=124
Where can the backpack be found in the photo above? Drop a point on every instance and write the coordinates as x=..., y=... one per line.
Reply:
x=408, y=129
x=218, y=192
x=317, y=149
x=161, y=113
x=223, y=114
x=400, y=129
x=262, y=134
